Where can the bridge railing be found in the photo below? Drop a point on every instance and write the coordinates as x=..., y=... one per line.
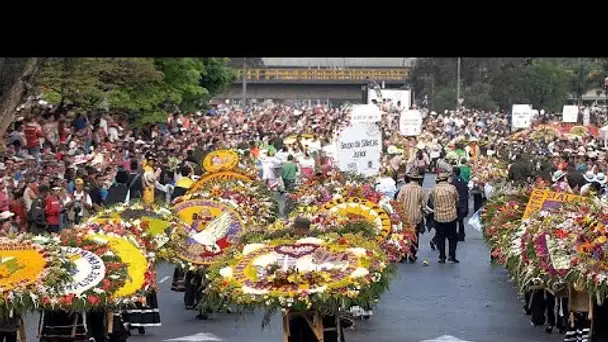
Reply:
x=380, y=74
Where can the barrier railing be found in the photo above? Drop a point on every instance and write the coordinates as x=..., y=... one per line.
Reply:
x=323, y=74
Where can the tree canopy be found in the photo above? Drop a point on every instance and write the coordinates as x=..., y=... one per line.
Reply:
x=145, y=89
x=498, y=83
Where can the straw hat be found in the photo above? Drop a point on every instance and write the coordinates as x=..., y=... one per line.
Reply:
x=443, y=176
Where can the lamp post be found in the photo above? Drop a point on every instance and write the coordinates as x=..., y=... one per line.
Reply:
x=606, y=91
x=458, y=85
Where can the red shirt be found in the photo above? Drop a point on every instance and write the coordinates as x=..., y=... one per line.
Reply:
x=17, y=208
x=33, y=134
x=52, y=209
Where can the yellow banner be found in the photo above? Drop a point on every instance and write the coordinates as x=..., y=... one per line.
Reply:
x=545, y=199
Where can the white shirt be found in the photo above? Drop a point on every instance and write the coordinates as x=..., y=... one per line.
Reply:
x=307, y=162
x=387, y=186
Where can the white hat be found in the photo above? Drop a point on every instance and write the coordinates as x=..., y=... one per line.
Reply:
x=557, y=175
x=581, y=153
x=5, y=215
x=72, y=145
x=592, y=154
x=600, y=178
x=589, y=176
x=421, y=146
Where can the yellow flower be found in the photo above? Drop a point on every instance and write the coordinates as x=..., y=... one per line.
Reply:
x=601, y=239
x=136, y=262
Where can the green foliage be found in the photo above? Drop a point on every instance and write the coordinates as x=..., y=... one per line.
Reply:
x=146, y=89
x=491, y=83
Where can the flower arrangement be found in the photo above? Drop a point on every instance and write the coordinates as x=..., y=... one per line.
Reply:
x=488, y=170
x=31, y=268
x=567, y=246
x=351, y=197
x=501, y=218
x=152, y=224
x=141, y=278
x=252, y=200
x=324, y=274
x=98, y=274
x=199, y=214
x=246, y=176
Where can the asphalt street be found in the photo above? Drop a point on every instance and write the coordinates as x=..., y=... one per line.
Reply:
x=471, y=301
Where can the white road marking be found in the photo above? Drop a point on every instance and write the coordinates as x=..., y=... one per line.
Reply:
x=164, y=279
x=446, y=338
x=200, y=337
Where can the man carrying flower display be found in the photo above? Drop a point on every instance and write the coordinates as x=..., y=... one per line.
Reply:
x=411, y=197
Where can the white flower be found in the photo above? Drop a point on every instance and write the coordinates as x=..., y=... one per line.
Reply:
x=359, y=272
x=318, y=289
x=252, y=247
x=226, y=272
x=358, y=251
x=98, y=290
x=337, y=196
x=251, y=291
x=312, y=240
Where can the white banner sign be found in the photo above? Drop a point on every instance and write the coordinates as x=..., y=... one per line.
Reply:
x=570, y=114
x=586, y=117
x=359, y=149
x=365, y=114
x=521, y=116
x=90, y=270
x=410, y=123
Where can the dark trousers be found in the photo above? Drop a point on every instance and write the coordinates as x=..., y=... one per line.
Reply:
x=477, y=202
x=446, y=230
x=53, y=228
x=6, y=336
x=462, y=214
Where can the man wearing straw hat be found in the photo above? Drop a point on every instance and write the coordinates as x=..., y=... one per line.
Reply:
x=411, y=196
x=444, y=198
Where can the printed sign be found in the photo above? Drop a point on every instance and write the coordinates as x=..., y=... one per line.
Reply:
x=89, y=271
x=359, y=148
x=365, y=114
x=410, y=123
x=586, y=117
x=570, y=114
x=547, y=200
x=221, y=160
x=521, y=116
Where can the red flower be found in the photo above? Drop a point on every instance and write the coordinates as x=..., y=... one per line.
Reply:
x=93, y=300
x=561, y=234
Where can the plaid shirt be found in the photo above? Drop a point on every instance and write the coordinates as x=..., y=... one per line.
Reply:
x=411, y=197
x=444, y=198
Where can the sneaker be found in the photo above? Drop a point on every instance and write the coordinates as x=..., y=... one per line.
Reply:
x=454, y=261
x=441, y=261
x=549, y=329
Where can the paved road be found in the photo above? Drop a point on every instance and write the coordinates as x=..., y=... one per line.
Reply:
x=472, y=301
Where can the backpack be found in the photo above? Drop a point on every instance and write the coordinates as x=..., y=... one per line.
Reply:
x=37, y=215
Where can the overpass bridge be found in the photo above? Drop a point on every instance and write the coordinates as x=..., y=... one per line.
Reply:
x=322, y=84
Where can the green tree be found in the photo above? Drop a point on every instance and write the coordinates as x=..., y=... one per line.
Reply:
x=546, y=84
x=478, y=96
x=18, y=74
x=146, y=89
x=89, y=83
x=444, y=98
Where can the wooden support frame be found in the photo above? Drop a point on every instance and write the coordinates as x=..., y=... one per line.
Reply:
x=315, y=322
